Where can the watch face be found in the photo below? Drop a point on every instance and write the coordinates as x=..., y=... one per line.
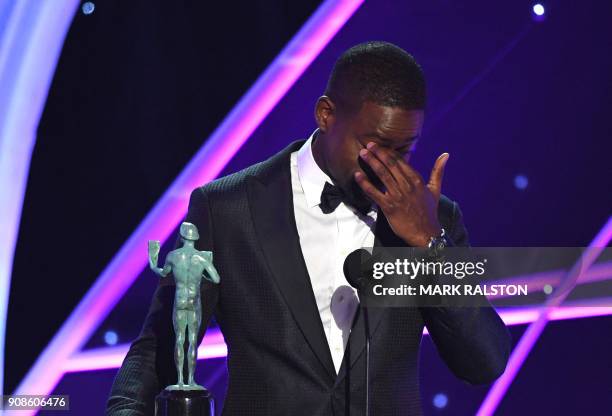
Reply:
x=438, y=244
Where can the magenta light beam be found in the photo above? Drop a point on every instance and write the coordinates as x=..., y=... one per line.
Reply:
x=225, y=141
x=32, y=36
x=536, y=281
x=534, y=330
x=214, y=346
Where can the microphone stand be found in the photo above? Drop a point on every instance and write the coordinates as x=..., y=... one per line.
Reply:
x=353, y=266
x=366, y=323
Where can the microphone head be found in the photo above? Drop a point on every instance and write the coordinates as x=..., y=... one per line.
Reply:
x=354, y=267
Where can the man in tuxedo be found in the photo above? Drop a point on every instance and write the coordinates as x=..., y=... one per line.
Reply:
x=280, y=231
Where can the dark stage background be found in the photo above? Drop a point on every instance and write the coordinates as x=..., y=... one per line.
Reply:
x=140, y=85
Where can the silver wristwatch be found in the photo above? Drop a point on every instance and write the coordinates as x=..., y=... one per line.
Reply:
x=437, y=244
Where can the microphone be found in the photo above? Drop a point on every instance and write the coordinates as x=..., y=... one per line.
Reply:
x=355, y=269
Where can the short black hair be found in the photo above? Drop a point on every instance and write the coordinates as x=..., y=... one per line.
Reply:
x=380, y=72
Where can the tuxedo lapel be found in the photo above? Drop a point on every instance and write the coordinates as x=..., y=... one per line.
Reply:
x=383, y=237
x=271, y=203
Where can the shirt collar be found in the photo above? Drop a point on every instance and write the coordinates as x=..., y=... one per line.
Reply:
x=312, y=177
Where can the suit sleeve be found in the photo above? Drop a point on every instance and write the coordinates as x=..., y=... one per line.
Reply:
x=149, y=364
x=473, y=341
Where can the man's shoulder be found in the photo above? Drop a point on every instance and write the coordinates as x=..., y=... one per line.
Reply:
x=236, y=181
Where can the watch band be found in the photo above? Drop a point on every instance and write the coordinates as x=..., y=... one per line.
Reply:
x=437, y=244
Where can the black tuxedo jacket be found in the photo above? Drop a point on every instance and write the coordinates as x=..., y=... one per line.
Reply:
x=279, y=362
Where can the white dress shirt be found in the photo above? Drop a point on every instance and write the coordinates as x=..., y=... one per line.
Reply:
x=326, y=241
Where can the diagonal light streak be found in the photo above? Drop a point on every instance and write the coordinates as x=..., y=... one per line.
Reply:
x=225, y=141
x=214, y=346
x=533, y=332
x=31, y=37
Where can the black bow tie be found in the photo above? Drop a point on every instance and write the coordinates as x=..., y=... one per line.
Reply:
x=331, y=197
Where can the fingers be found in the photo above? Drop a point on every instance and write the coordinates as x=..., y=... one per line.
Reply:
x=397, y=175
x=369, y=189
x=437, y=175
x=406, y=177
x=384, y=166
x=414, y=178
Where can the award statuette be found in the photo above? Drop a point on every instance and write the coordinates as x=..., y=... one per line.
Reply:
x=188, y=266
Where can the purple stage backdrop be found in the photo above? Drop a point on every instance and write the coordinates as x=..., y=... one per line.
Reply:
x=521, y=102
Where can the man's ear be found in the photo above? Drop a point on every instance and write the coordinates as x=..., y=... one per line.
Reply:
x=325, y=113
